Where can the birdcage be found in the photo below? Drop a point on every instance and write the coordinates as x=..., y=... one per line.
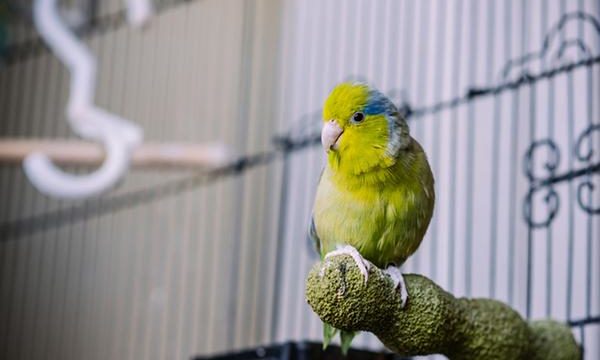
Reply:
x=203, y=256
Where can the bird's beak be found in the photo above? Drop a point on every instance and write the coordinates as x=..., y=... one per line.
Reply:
x=330, y=134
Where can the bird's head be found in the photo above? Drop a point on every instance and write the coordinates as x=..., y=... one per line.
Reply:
x=362, y=129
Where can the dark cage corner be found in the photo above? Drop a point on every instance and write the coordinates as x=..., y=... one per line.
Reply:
x=302, y=351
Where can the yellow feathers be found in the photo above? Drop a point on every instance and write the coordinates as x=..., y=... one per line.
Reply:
x=345, y=100
x=363, y=146
x=384, y=219
x=378, y=200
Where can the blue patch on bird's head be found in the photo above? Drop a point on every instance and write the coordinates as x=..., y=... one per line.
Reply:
x=378, y=104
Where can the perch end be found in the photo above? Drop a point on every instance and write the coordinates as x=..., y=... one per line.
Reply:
x=553, y=340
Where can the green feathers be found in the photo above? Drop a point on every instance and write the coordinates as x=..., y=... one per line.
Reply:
x=377, y=191
x=346, y=337
x=329, y=333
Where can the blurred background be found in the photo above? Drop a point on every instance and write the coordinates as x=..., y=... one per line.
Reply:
x=176, y=263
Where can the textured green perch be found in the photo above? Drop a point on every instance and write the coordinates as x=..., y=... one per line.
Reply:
x=433, y=321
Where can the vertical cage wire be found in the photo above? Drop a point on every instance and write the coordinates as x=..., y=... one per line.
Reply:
x=191, y=265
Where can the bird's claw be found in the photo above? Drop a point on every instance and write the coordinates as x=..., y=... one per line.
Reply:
x=398, y=279
x=362, y=263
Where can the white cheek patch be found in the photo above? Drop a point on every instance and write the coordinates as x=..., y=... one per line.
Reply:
x=397, y=135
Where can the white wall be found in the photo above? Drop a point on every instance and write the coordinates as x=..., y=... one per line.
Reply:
x=221, y=266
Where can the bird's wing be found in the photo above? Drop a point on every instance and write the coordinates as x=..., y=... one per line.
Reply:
x=313, y=238
x=314, y=242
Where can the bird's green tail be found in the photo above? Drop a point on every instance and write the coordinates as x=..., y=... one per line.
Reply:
x=346, y=337
x=328, y=334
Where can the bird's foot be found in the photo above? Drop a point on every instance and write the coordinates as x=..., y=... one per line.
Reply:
x=363, y=264
x=398, y=279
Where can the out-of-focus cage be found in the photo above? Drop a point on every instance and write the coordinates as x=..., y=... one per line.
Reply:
x=504, y=96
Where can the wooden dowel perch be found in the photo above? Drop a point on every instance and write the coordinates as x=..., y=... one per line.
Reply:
x=147, y=155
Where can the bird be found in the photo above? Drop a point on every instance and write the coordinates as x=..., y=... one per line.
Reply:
x=375, y=196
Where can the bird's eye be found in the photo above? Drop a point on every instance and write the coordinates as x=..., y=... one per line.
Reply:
x=358, y=117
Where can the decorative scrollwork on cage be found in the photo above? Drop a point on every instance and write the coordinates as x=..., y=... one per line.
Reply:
x=551, y=198
x=552, y=202
x=551, y=163
x=587, y=207
x=587, y=186
x=586, y=137
x=544, y=183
